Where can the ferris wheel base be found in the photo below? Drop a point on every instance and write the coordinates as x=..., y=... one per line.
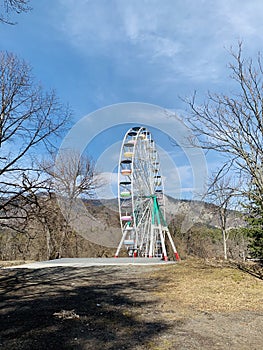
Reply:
x=163, y=258
x=176, y=256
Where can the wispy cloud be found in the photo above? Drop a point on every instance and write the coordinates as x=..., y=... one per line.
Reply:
x=190, y=36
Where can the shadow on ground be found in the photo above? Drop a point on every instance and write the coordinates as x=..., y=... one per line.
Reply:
x=255, y=270
x=65, y=308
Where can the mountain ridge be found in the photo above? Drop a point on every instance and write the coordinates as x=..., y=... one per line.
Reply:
x=194, y=211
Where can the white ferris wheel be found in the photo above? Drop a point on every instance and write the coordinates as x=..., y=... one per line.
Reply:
x=141, y=198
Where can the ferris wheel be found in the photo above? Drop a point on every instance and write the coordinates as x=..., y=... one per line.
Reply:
x=141, y=198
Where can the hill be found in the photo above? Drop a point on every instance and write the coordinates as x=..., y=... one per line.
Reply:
x=194, y=225
x=192, y=212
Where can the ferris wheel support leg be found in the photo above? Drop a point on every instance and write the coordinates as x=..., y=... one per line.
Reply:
x=151, y=244
x=148, y=234
x=146, y=249
x=120, y=244
x=165, y=257
x=173, y=245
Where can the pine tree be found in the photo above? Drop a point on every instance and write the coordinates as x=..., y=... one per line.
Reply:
x=255, y=225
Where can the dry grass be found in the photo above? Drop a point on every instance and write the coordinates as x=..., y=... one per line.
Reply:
x=194, y=286
x=6, y=263
x=190, y=305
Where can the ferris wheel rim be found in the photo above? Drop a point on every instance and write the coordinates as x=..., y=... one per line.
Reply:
x=141, y=197
x=138, y=204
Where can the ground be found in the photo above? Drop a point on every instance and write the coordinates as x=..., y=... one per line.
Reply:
x=189, y=305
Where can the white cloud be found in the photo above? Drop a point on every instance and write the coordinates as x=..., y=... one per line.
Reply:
x=183, y=39
x=243, y=20
x=163, y=29
x=172, y=36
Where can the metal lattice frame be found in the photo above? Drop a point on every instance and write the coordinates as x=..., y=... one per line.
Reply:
x=141, y=197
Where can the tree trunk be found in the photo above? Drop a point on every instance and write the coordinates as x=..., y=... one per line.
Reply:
x=224, y=243
x=48, y=251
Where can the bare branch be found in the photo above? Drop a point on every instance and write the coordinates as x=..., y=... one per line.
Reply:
x=31, y=120
x=233, y=125
x=13, y=6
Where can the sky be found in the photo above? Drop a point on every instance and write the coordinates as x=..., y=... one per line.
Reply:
x=99, y=53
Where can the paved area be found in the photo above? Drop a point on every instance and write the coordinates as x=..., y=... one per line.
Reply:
x=85, y=262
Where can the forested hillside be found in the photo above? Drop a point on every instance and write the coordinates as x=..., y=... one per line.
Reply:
x=194, y=225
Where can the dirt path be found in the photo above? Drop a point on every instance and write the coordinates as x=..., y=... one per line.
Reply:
x=129, y=307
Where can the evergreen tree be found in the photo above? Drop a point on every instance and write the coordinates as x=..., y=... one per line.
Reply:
x=255, y=225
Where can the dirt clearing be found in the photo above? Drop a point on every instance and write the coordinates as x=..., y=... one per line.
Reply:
x=189, y=305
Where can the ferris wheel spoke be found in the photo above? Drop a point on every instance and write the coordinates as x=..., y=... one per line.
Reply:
x=142, y=214
x=145, y=234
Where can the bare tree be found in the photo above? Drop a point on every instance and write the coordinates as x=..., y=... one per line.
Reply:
x=222, y=193
x=72, y=178
x=233, y=125
x=11, y=6
x=31, y=121
x=46, y=219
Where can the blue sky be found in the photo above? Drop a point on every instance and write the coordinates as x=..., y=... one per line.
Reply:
x=96, y=53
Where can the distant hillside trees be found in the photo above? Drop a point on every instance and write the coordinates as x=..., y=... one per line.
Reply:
x=31, y=121
x=232, y=125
